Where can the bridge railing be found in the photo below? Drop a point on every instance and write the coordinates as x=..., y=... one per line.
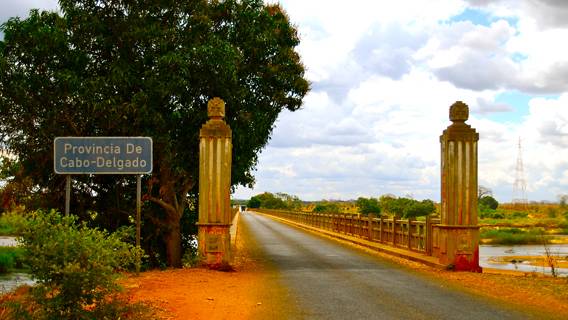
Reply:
x=408, y=234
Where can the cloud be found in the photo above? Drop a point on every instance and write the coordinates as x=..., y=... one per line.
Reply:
x=484, y=106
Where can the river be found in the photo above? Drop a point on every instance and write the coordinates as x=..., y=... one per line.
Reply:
x=488, y=254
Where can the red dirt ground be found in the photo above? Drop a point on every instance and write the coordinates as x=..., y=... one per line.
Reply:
x=253, y=291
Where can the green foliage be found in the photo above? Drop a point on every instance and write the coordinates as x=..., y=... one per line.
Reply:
x=12, y=223
x=488, y=202
x=254, y=202
x=512, y=236
x=491, y=214
x=405, y=207
x=551, y=212
x=11, y=258
x=75, y=266
x=144, y=68
x=326, y=207
x=367, y=206
x=268, y=200
x=519, y=215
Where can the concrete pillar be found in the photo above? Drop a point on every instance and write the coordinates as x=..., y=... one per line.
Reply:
x=214, y=187
x=459, y=232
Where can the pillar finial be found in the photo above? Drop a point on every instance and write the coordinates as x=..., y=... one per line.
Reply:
x=459, y=112
x=216, y=108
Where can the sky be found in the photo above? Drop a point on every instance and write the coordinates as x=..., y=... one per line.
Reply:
x=383, y=76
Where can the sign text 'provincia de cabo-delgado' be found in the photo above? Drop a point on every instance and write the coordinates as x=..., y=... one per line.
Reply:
x=102, y=155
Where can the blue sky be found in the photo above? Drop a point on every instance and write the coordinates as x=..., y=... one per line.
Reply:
x=384, y=74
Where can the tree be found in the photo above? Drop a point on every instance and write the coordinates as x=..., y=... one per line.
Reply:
x=326, y=207
x=254, y=202
x=419, y=209
x=488, y=202
x=406, y=207
x=483, y=192
x=368, y=205
x=140, y=68
x=270, y=201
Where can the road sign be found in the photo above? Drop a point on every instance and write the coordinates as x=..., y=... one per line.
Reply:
x=102, y=155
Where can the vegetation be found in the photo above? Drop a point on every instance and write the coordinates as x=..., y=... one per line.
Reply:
x=281, y=201
x=367, y=206
x=512, y=236
x=488, y=202
x=327, y=207
x=142, y=68
x=12, y=223
x=405, y=207
x=11, y=258
x=76, y=268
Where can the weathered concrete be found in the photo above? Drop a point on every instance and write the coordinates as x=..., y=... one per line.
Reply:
x=456, y=239
x=214, y=187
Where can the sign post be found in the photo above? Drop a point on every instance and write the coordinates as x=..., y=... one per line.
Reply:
x=103, y=155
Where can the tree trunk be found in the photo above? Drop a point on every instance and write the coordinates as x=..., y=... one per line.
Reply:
x=172, y=239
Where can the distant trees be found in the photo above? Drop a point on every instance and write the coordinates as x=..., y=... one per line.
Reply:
x=268, y=200
x=406, y=207
x=254, y=202
x=326, y=207
x=368, y=205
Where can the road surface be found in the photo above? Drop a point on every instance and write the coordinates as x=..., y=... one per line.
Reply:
x=329, y=280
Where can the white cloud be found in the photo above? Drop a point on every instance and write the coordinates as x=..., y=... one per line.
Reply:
x=384, y=74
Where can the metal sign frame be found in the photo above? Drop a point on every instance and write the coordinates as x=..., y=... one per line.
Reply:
x=93, y=145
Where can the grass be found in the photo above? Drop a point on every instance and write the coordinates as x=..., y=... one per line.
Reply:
x=512, y=236
x=11, y=258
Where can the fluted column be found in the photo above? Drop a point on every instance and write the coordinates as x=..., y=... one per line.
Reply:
x=459, y=232
x=214, y=187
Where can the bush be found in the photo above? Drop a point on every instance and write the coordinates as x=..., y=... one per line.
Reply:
x=491, y=214
x=326, y=207
x=11, y=258
x=517, y=215
x=75, y=266
x=12, y=223
x=512, y=236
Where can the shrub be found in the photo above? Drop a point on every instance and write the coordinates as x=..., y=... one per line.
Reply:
x=491, y=214
x=12, y=223
x=10, y=258
x=512, y=236
x=6, y=262
x=326, y=207
x=75, y=266
x=518, y=214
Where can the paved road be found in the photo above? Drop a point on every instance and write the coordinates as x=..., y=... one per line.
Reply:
x=332, y=281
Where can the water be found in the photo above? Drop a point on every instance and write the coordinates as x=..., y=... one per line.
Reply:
x=6, y=241
x=486, y=252
x=9, y=282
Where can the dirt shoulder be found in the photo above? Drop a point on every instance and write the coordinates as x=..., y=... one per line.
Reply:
x=252, y=291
